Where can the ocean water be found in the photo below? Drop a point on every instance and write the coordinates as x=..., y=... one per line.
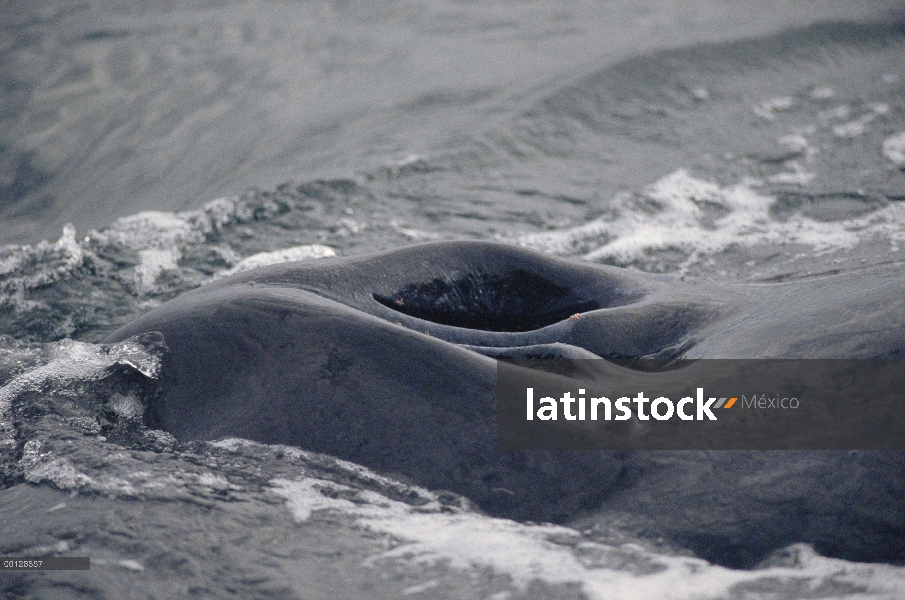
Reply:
x=149, y=148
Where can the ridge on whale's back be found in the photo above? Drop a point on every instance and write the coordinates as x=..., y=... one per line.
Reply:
x=473, y=285
x=488, y=294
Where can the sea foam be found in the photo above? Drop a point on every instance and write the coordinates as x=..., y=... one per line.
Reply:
x=701, y=218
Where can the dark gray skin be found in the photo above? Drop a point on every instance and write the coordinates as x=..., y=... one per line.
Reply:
x=384, y=360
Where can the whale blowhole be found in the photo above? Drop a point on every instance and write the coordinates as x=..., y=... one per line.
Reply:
x=516, y=300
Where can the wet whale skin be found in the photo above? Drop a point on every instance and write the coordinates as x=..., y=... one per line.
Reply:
x=385, y=360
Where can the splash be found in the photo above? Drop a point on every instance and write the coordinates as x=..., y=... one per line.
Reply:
x=28, y=267
x=69, y=361
x=700, y=219
x=161, y=239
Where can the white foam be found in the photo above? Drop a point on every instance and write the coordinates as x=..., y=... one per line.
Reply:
x=894, y=149
x=462, y=539
x=153, y=263
x=837, y=112
x=160, y=238
x=854, y=128
x=157, y=237
x=62, y=474
x=822, y=93
x=769, y=107
x=125, y=563
x=57, y=548
x=81, y=360
x=27, y=267
x=702, y=219
x=421, y=588
x=359, y=472
x=116, y=476
x=798, y=176
x=795, y=142
x=70, y=360
x=416, y=235
x=295, y=253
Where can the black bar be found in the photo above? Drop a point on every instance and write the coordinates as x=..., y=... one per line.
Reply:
x=53, y=563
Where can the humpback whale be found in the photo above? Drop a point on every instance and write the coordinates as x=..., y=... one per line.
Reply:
x=388, y=360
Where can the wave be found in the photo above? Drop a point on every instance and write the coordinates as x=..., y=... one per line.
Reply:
x=83, y=446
